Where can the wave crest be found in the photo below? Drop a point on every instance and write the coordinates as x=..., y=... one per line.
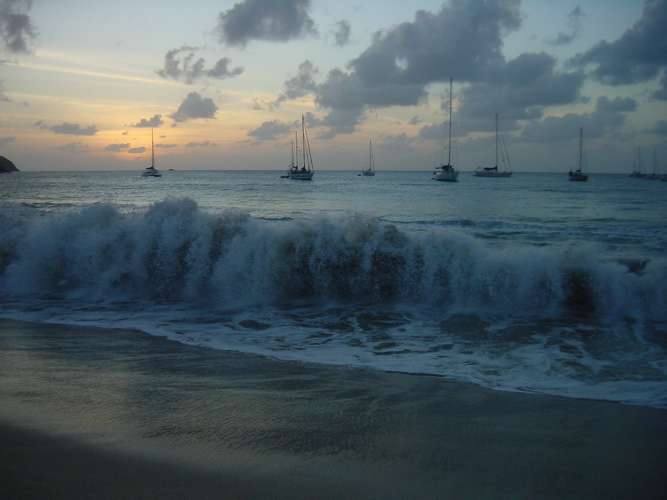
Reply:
x=175, y=251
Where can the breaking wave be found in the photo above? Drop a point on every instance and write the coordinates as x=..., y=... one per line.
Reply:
x=175, y=251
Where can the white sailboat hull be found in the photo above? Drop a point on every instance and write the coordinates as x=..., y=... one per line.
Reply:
x=446, y=175
x=151, y=172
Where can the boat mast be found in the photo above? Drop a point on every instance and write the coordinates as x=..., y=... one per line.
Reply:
x=496, y=140
x=370, y=155
x=449, y=149
x=639, y=159
x=303, y=139
x=581, y=146
x=655, y=162
x=152, y=150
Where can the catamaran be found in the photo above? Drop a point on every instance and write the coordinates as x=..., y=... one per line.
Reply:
x=305, y=171
x=578, y=175
x=493, y=171
x=151, y=171
x=370, y=171
x=447, y=173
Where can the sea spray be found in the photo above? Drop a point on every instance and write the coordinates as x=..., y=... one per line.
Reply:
x=175, y=251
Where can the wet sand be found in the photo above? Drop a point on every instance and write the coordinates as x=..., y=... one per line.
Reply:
x=86, y=412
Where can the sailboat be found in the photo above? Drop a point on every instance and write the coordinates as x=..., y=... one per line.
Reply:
x=447, y=173
x=578, y=175
x=370, y=171
x=654, y=176
x=151, y=171
x=493, y=171
x=637, y=170
x=305, y=171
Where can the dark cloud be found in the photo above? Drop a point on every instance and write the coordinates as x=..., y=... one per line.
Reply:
x=609, y=115
x=270, y=20
x=195, y=106
x=342, y=33
x=660, y=128
x=519, y=91
x=573, y=28
x=617, y=105
x=638, y=55
x=661, y=93
x=71, y=129
x=6, y=140
x=203, y=144
x=341, y=121
x=16, y=28
x=154, y=122
x=117, y=148
x=303, y=83
x=401, y=62
x=166, y=146
x=138, y=150
x=270, y=130
x=182, y=64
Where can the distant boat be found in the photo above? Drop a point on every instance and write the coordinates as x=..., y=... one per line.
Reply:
x=637, y=168
x=447, y=173
x=578, y=175
x=493, y=171
x=370, y=171
x=151, y=171
x=305, y=171
x=655, y=176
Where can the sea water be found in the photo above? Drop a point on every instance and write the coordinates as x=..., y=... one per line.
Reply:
x=529, y=283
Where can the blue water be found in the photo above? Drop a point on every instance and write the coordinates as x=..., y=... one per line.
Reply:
x=531, y=283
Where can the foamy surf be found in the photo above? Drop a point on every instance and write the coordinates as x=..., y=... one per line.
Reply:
x=353, y=291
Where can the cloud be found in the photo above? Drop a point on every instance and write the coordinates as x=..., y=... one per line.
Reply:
x=573, y=28
x=609, y=115
x=71, y=129
x=618, y=105
x=138, y=150
x=7, y=140
x=74, y=147
x=16, y=28
x=639, y=55
x=660, y=128
x=270, y=130
x=154, y=122
x=269, y=20
x=342, y=33
x=116, y=148
x=401, y=62
x=3, y=96
x=203, y=144
x=398, y=141
x=303, y=83
x=166, y=146
x=519, y=91
x=195, y=106
x=180, y=64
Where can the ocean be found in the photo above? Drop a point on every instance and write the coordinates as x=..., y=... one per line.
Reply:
x=530, y=283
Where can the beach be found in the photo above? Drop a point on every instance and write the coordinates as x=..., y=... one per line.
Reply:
x=88, y=412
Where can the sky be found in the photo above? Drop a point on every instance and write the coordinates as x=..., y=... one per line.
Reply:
x=224, y=83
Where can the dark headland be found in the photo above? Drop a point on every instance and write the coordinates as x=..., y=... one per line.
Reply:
x=92, y=413
x=6, y=166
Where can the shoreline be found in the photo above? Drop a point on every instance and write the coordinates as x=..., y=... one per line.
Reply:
x=117, y=413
